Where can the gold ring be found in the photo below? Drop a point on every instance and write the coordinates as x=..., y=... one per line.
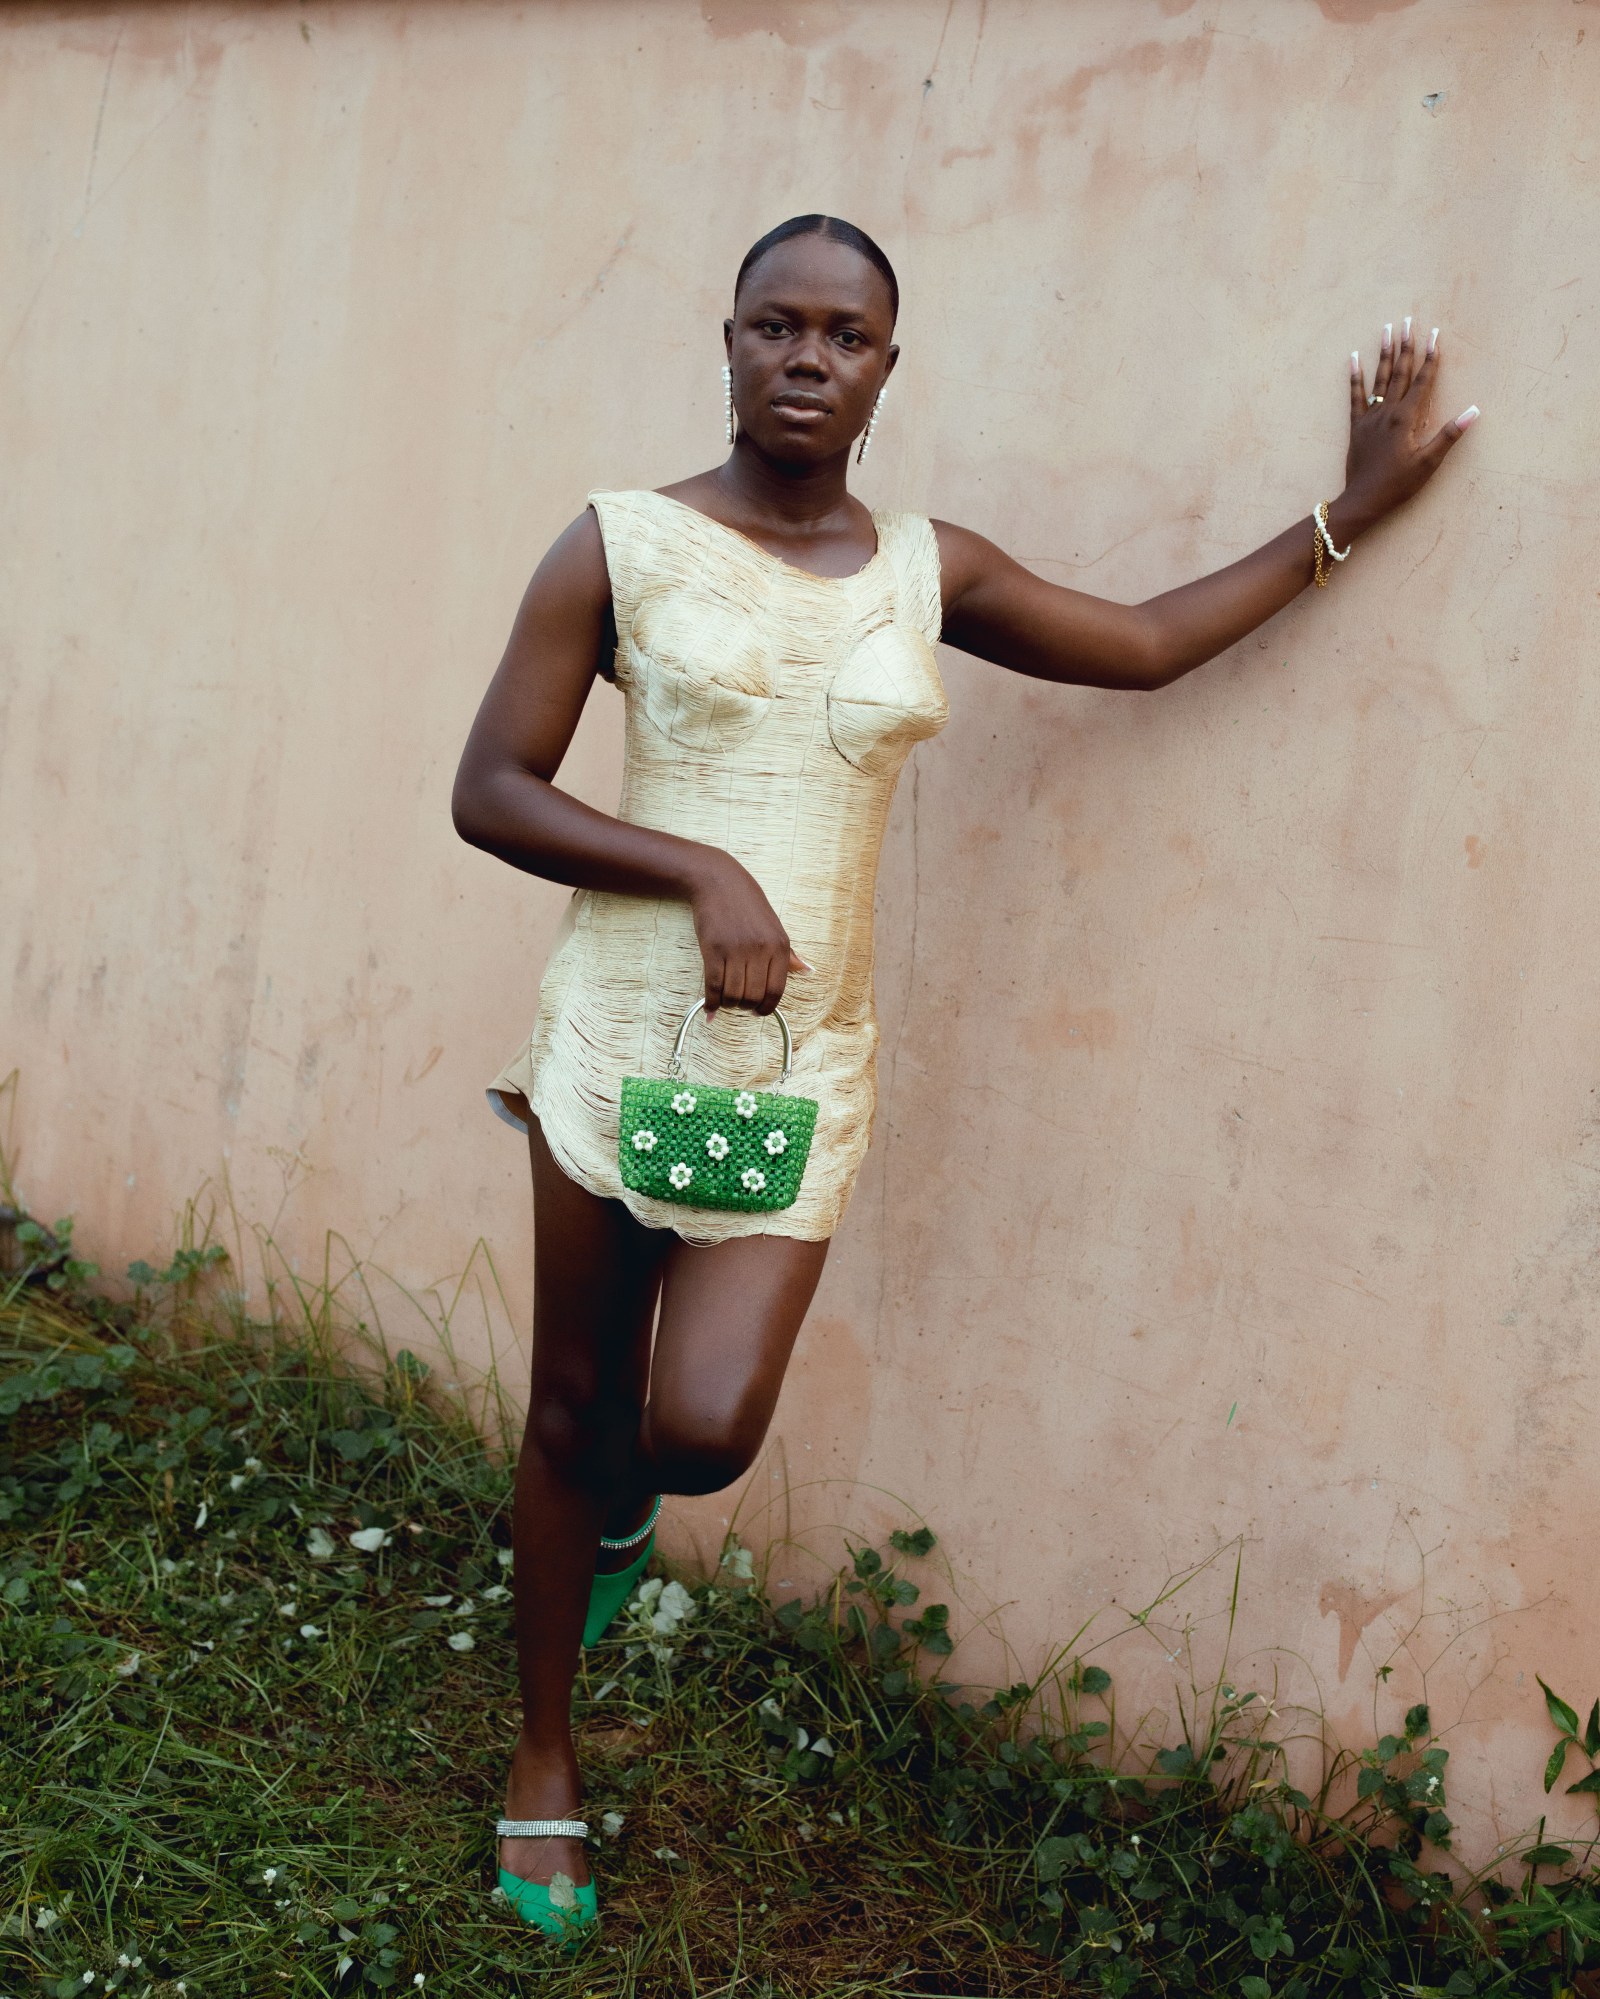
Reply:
x=1373, y=399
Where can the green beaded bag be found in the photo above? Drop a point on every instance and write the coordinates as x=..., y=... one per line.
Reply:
x=705, y=1146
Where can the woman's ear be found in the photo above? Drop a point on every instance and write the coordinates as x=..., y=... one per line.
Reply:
x=894, y=355
x=727, y=338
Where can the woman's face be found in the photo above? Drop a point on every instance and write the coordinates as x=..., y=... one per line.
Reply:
x=810, y=347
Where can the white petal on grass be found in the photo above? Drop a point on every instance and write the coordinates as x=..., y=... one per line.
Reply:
x=822, y=1746
x=343, y=1965
x=126, y=1668
x=320, y=1544
x=665, y=1853
x=369, y=1539
x=199, y=1522
x=460, y=1641
x=611, y=1824
x=495, y=1593
x=563, y=1891
x=289, y=1609
x=236, y=1481
x=436, y=1602
x=676, y=1600
x=78, y=1587
x=503, y=1557
x=311, y=1631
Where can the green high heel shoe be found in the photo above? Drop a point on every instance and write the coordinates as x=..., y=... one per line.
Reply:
x=532, y=1900
x=610, y=1591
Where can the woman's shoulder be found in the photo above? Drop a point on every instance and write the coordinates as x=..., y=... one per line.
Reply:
x=911, y=547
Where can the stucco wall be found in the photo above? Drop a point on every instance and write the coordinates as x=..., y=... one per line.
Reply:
x=1236, y=1167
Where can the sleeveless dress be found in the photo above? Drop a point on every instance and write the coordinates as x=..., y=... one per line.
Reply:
x=768, y=712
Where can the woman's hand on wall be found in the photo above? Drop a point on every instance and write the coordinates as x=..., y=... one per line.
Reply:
x=1392, y=455
x=995, y=608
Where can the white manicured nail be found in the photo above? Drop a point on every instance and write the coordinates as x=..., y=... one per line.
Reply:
x=1433, y=341
x=1468, y=416
x=1355, y=363
x=1388, y=336
x=1408, y=326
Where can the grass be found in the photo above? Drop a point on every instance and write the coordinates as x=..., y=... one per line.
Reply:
x=256, y=1696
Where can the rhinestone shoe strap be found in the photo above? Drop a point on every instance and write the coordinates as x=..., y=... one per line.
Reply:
x=632, y=1540
x=541, y=1829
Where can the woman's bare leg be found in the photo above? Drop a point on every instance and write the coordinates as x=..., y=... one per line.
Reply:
x=730, y=1315
x=596, y=1274
x=729, y=1318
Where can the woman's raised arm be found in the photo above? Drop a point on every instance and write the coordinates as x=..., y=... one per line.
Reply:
x=1002, y=612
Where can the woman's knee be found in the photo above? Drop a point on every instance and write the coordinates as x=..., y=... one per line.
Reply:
x=698, y=1451
x=587, y=1438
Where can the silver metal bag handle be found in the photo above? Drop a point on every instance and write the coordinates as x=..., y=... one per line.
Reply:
x=675, y=1066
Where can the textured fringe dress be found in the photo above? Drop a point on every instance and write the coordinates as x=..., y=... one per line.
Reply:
x=769, y=712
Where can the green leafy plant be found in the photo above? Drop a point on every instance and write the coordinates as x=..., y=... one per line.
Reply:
x=257, y=1689
x=49, y=1258
x=1587, y=1743
x=185, y=1267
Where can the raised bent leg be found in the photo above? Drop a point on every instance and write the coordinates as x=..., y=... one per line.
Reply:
x=730, y=1314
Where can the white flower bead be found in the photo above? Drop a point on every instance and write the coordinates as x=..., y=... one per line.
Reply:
x=644, y=1141
x=775, y=1142
x=717, y=1145
x=744, y=1104
x=683, y=1102
x=752, y=1179
x=681, y=1174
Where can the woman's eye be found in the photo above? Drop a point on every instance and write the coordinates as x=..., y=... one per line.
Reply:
x=850, y=339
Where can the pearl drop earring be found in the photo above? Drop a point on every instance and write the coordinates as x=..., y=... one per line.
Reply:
x=727, y=396
x=872, y=424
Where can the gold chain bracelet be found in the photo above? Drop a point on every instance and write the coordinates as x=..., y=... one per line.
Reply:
x=1322, y=546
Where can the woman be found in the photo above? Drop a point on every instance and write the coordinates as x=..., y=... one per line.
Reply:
x=773, y=640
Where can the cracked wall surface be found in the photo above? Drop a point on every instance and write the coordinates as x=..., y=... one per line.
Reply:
x=1234, y=1184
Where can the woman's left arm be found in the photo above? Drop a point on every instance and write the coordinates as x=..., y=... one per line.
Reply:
x=1002, y=612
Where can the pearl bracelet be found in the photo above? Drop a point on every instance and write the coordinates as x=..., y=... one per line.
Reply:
x=1322, y=546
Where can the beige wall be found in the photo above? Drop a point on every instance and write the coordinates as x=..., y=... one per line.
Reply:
x=1236, y=1167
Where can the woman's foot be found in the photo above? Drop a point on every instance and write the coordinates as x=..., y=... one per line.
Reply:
x=543, y=1785
x=620, y=1522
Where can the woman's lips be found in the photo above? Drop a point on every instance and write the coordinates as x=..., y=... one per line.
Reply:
x=806, y=413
